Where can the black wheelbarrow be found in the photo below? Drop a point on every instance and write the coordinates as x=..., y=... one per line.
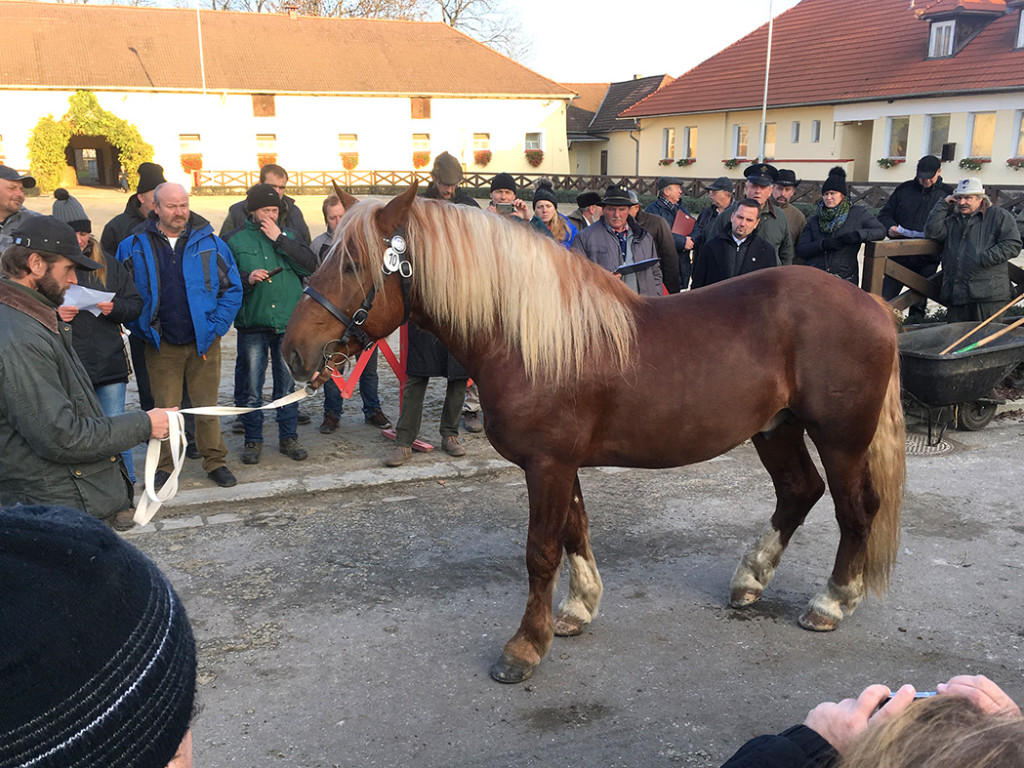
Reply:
x=951, y=387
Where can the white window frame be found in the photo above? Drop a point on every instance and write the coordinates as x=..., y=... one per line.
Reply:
x=815, y=131
x=668, y=143
x=481, y=141
x=940, y=39
x=690, y=136
x=421, y=142
x=190, y=143
x=769, y=128
x=1020, y=30
x=348, y=143
x=971, y=123
x=1018, y=144
x=737, y=130
x=794, y=132
x=266, y=143
x=928, y=126
x=529, y=143
x=889, y=135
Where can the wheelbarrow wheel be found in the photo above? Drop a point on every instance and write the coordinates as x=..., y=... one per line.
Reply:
x=974, y=416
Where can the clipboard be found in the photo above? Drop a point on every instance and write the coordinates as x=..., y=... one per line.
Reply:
x=683, y=225
x=634, y=266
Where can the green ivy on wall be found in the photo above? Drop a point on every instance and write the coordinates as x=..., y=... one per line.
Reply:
x=85, y=117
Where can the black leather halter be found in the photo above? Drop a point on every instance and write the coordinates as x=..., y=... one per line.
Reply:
x=396, y=259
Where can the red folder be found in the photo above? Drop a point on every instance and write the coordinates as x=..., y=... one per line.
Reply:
x=683, y=225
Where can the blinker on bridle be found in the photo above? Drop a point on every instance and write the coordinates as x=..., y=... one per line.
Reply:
x=395, y=261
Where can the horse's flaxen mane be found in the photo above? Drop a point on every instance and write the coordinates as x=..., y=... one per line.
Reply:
x=479, y=274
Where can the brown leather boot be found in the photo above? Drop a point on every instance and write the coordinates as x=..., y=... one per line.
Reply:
x=397, y=456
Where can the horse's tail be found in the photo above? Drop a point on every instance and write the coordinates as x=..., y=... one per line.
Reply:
x=887, y=462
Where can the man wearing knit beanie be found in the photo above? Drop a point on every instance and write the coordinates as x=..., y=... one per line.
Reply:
x=97, y=658
x=504, y=201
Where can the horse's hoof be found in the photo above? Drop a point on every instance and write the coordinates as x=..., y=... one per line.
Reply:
x=741, y=598
x=816, y=622
x=566, y=626
x=509, y=669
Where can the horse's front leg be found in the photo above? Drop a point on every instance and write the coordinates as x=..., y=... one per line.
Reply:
x=550, y=488
x=579, y=606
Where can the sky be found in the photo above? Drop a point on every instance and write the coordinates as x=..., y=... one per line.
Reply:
x=608, y=42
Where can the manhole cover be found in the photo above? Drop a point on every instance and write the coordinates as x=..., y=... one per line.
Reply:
x=917, y=445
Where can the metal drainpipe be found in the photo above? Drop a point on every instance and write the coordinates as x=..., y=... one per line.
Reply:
x=636, y=164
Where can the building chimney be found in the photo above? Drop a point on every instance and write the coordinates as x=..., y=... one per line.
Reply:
x=293, y=11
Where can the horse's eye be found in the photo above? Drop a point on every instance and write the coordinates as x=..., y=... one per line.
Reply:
x=350, y=268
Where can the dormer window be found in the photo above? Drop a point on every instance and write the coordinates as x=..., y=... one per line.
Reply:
x=1020, y=30
x=940, y=42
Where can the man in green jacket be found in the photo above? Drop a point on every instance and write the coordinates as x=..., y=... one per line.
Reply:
x=56, y=446
x=271, y=263
x=978, y=239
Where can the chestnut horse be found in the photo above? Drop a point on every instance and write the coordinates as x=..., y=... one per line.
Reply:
x=574, y=370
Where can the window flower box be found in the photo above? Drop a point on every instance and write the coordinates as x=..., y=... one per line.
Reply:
x=420, y=159
x=191, y=162
x=974, y=163
x=890, y=162
x=685, y=161
x=534, y=156
x=666, y=161
x=482, y=157
x=731, y=163
x=266, y=158
x=1016, y=163
x=350, y=160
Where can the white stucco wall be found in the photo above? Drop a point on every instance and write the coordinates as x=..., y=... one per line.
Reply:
x=307, y=128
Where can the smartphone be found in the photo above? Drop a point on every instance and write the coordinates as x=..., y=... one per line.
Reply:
x=918, y=695
x=504, y=208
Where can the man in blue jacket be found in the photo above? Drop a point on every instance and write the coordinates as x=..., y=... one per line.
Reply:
x=191, y=293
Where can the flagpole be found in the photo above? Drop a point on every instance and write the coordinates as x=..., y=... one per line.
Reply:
x=764, y=101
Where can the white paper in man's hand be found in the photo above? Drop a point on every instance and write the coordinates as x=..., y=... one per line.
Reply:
x=86, y=298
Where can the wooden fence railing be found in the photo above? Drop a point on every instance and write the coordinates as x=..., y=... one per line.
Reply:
x=872, y=195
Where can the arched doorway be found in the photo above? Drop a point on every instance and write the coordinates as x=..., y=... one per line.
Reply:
x=94, y=160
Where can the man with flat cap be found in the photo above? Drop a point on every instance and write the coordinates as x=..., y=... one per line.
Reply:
x=56, y=445
x=773, y=225
x=667, y=206
x=445, y=177
x=782, y=193
x=12, y=202
x=588, y=210
x=617, y=243
x=904, y=215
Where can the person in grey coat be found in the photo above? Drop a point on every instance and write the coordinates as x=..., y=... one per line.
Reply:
x=56, y=445
x=617, y=241
x=978, y=239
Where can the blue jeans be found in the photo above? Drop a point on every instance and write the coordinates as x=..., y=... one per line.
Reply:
x=334, y=403
x=111, y=397
x=250, y=374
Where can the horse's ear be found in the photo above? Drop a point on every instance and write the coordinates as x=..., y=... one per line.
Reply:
x=396, y=212
x=346, y=199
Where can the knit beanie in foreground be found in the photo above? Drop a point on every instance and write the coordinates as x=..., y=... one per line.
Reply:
x=97, y=659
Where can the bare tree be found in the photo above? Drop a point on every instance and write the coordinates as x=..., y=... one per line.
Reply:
x=491, y=22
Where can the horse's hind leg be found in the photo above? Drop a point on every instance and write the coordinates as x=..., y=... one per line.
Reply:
x=798, y=486
x=579, y=606
x=550, y=488
x=856, y=504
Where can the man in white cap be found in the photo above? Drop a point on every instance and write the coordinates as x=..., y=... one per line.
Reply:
x=977, y=239
x=12, y=202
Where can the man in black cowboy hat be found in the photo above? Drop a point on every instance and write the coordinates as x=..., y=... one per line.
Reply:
x=59, y=448
x=616, y=242
x=782, y=193
x=773, y=226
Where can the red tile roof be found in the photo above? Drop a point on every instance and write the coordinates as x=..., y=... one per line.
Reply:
x=123, y=48
x=824, y=53
x=926, y=8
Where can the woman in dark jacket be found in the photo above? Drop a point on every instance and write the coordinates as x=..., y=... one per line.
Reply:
x=97, y=339
x=832, y=238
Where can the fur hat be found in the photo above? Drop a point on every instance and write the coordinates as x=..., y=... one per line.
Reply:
x=151, y=176
x=545, y=191
x=836, y=181
x=447, y=170
x=503, y=181
x=98, y=662
x=261, y=196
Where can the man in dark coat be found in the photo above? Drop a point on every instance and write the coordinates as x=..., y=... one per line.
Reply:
x=774, y=226
x=291, y=217
x=737, y=252
x=588, y=210
x=427, y=356
x=57, y=446
x=783, y=192
x=720, y=191
x=663, y=242
x=667, y=206
x=904, y=215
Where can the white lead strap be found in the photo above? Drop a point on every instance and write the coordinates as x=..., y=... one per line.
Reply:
x=152, y=499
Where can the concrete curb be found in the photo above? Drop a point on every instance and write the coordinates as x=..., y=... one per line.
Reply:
x=185, y=509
